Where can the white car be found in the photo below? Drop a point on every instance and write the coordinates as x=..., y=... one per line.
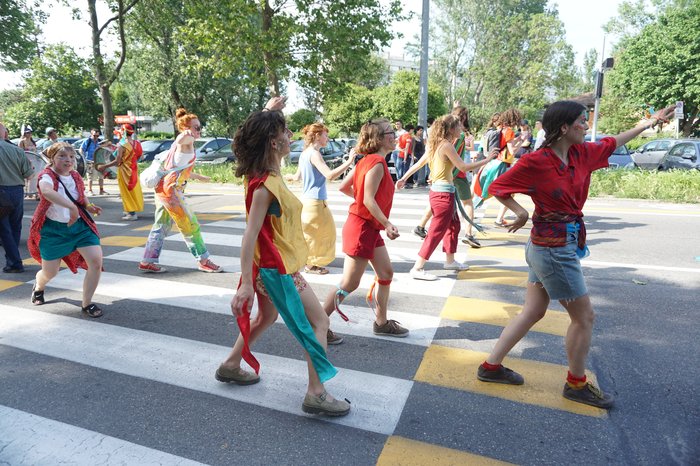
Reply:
x=650, y=154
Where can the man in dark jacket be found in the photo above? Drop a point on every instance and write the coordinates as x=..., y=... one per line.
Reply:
x=14, y=169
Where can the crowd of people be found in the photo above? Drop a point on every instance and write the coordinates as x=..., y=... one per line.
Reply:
x=285, y=235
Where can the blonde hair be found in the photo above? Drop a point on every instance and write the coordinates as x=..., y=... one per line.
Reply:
x=440, y=132
x=57, y=148
x=184, y=119
x=371, y=135
x=312, y=132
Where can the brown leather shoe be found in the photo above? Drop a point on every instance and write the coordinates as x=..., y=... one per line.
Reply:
x=237, y=376
x=320, y=404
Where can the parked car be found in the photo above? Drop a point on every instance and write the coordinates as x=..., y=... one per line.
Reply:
x=332, y=153
x=205, y=147
x=650, y=154
x=683, y=156
x=620, y=158
x=151, y=147
x=221, y=155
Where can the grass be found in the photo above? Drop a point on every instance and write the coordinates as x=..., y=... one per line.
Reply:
x=682, y=186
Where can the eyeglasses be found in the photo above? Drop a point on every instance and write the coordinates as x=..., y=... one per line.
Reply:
x=197, y=128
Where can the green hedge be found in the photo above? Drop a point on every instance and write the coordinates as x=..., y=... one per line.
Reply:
x=672, y=186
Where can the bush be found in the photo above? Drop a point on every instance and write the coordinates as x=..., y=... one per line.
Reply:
x=673, y=186
x=155, y=135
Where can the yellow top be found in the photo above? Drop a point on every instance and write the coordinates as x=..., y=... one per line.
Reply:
x=440, y=168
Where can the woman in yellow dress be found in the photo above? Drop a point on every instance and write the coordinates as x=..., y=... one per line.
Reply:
x=128, y=174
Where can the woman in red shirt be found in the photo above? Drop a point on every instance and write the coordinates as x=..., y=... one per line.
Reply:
x=557, y=177
x=370, y=184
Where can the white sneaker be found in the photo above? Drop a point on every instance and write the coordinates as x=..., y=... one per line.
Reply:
x=130, y=217
x=458, y=266
x=420, y=274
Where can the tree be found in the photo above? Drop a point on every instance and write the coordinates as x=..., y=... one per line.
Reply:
x=302, y=117
x=399, y=100
x=59, y=92
x=352, y=108
x=661, y=65
x=18, y=35
x=590, y=65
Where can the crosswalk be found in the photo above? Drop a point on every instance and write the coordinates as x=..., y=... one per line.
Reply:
x=163, y=336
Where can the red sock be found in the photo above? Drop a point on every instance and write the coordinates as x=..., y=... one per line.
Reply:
x=575, y=382
x=490, y=367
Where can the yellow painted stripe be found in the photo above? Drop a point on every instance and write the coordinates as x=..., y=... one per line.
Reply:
x=232, y=208
x=501, y=252
x=215, y=217
x=7, y=284
x=31, y=261
x=503, y=236
x=146, y=228
x=456, y=368
x=406, y=452
x=127, y=241
x=496, y=276
x=497, y=313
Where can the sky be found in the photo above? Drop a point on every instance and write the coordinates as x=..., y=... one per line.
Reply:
x=582, y=21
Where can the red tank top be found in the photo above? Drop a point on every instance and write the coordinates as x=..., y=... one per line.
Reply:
x=385, y=193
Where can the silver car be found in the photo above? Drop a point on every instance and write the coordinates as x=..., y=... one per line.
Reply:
x=650, y=154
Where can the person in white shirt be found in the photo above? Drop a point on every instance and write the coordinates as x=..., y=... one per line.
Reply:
x=62, y=228
x=540, y=134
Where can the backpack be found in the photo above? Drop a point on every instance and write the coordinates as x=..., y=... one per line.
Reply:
x=152, y=175
x=493, y=140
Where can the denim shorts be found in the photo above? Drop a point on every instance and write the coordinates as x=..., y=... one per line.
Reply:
x=557, y=269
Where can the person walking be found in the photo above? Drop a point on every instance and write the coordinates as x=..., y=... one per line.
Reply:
x=88, y=149
x=272, y=252
x=442, y=159
x=557, y=178
x=540, y=134
x=171, y=205
x=316, y=218
x=509, y=146
x=15, y=169
x=28, y=144
x=62, y=228
x=128, y=174
x=51, y=138
x=371, y=187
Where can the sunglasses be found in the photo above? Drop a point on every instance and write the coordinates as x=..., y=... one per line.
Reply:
x=196, y=128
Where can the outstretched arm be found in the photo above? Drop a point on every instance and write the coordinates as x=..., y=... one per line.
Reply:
x=661, y=116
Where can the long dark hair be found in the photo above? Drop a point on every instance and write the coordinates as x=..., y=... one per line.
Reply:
x=252, y=143
x=563, y=112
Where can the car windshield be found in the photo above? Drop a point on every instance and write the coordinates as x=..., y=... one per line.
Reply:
x=296, y=146
x=225, y=149
x=150, y=145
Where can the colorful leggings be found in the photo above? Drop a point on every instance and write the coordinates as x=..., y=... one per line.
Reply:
x=171, y=209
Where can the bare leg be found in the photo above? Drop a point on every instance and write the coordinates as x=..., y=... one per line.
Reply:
x=536, y=302
x=578, y=336
x=469, y=209
x=426, y=217
x=353, y=268
x=93, y=257
x=320, y=323
x=382, y=268
x=266, y=316
x=501, y=214
x=49, y=269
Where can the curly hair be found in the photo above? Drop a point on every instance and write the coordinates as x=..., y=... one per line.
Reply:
x=57, y=148
x=462, y=113
x=440, y=132
x=312, y=132
x=371, y=136
x=510, y=117
x=184, y=119
x=560, y=113
x=252, y=143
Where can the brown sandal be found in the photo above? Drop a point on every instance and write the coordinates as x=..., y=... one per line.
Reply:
x=316, y=270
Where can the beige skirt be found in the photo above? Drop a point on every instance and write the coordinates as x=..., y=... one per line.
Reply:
x=319, y=232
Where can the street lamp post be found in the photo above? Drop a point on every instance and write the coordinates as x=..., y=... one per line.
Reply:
x=607, y=64
x=423, y=92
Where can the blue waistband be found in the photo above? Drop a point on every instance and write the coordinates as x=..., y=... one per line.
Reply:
x=442, y=188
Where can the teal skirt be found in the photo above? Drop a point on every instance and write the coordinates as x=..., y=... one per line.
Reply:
x=59, y=240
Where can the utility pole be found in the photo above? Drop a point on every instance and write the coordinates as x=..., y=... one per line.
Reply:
x=423, y=92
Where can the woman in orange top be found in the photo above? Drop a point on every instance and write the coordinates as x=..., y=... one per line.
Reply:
x=370, y=184
x=509, y=119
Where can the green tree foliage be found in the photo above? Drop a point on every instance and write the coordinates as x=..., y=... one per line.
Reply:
x=302, y=117
x=590, y=65
x=493, y=54
x=18, y=31
x=660, y=66
x=58, y=92
x=397, y=101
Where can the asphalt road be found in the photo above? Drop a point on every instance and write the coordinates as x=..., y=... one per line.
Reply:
x=136, y=386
